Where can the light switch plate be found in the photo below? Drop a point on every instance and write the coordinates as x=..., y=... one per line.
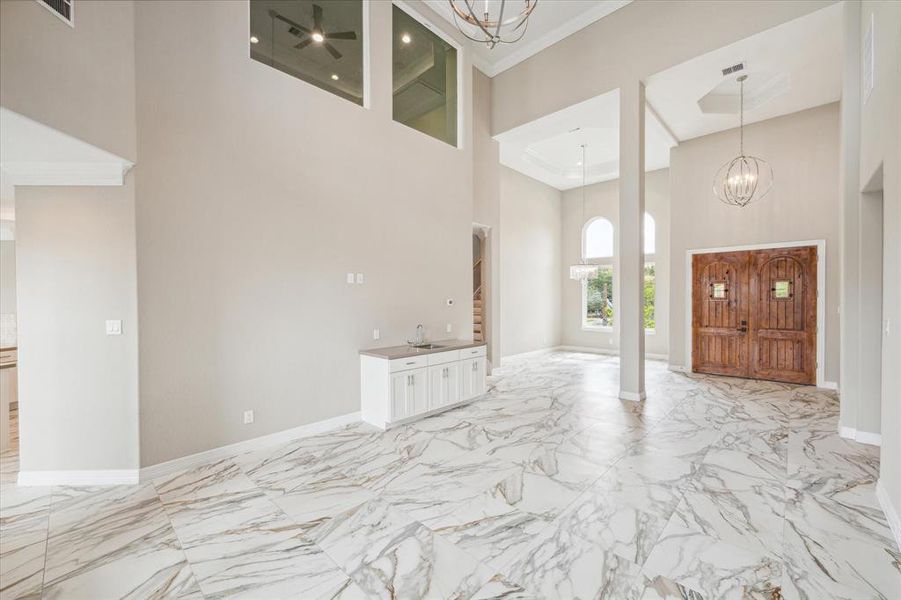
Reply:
x=359, y=278
x=449, y=328
x=248, y=417
x=376, y=334
x=350, y=278
x=114, y=327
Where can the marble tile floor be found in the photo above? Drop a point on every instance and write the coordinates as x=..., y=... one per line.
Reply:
x=547, y=487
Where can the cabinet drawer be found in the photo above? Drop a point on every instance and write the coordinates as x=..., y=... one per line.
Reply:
x=413, y=362
x=477, y=351
x=440, y=358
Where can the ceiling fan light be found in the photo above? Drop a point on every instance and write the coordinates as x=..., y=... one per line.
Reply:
x=317, y=37
x=254, y=39
x=405, y=38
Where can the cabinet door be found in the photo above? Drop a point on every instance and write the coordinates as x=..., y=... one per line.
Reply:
x=472, y=378
x=479, y=372
x=418, y=401
x=436, y=384
x=452, y=383
x=400, y=392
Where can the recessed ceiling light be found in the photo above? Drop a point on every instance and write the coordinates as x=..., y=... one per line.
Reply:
x=254, y=39
x=335, y=77
x=405, y=38
x=318, y=37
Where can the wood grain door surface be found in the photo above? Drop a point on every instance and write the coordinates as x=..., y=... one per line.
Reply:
x=754, y=314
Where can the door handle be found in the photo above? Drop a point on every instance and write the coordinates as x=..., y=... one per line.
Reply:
x=742, y=329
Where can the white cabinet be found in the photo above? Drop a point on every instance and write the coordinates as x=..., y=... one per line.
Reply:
x=409, y=393
x=401, y=389
x=472, y=377
x=444, y=384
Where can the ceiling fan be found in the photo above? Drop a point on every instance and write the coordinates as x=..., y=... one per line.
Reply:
x=315, y=34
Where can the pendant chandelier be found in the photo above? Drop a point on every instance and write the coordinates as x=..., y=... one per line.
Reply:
x=583, y=271
x=743, y=179
x=504, y=26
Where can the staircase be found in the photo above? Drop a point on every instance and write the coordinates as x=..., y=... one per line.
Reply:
x=477, y=334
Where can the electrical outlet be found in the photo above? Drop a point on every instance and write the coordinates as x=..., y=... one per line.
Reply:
x=449, y=328
x=248, y=417
x=350, y=278
x=359, y=278
x=114, y=327
x=376, y=334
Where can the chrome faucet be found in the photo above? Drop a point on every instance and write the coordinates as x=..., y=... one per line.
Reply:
x=419, y=338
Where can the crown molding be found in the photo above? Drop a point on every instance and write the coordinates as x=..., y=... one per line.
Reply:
x=66, y=173
x=528, y=49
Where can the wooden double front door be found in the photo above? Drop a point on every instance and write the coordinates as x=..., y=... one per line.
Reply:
x=754, y=314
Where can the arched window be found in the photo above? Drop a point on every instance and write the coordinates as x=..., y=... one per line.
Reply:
x=597, y=241
x=650, y=273
x=597, y=293
x=650, y=232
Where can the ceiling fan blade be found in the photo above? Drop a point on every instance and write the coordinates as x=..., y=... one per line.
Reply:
x=304, y=43
x=341, y=35
x=298, y=31
x=332, y=50
x=285, y=19
x=317, y=17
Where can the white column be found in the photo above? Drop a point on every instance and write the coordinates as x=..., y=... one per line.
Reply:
x=631, y=241
x=849, y=215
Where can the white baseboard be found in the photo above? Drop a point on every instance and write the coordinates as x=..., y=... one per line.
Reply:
x=538, y=352
x=678, y=368
x=891, y=514
x=608, y=351
x=864, y=437
x=79, y=478
x=264, y=441
x=632, y=396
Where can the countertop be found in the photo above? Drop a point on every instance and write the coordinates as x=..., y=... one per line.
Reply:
x=395, y=352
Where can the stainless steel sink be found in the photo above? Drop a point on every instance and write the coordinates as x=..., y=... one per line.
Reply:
x=427, y=346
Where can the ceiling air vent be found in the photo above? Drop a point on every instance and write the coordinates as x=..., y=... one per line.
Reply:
x=734, y=69
x=63, y=9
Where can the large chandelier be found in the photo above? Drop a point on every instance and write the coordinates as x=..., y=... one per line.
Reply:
x=743, y=179
x=583, y=271
x=497, y=24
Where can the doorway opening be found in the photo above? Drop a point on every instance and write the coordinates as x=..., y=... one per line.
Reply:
x=754, y=313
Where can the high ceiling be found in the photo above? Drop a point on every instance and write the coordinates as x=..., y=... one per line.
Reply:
x=551, y=21
x=792, y=67
x=549, y=149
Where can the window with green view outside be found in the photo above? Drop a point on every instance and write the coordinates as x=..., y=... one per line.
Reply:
x=599, y=299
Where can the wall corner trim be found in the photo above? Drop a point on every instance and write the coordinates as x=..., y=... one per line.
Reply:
x=78, y=478
x=279, y=437
x=863, y=437
x=891, y=513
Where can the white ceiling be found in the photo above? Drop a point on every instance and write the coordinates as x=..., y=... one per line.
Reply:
x=549, y=149
x=794, y=66
x=33, y=154
x=550, y=22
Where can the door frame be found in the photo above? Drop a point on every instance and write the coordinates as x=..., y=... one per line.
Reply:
x=821, y=298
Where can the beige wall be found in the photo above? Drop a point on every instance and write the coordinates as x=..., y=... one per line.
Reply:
x=256, y=193
x=602, y=200
x=76, y=256
x=8, y=277
x=880, y=144
x=636, y=41
x=530, y=264
x=79, y=80
x=486, y=208
x=803, y=149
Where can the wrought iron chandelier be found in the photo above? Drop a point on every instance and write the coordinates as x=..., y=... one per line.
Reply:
x=583, y=271
x=492, y=29
x=743, y=179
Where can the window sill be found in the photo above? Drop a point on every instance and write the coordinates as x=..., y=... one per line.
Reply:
x=650, y=332
x=598, y=329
